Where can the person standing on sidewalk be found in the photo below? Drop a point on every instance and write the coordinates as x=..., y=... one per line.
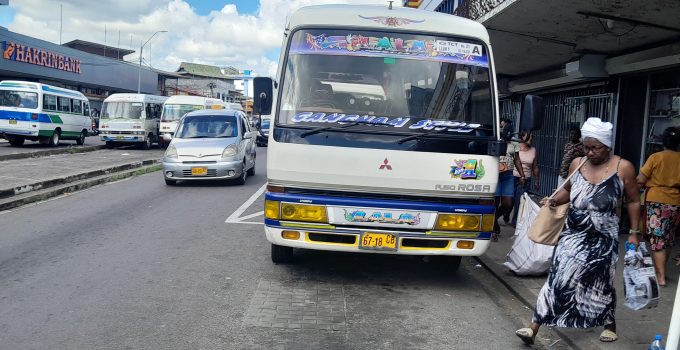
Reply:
x=579, y=291
x=526, y=171
x=504, y=191
x=661, y=176
x=572, y=149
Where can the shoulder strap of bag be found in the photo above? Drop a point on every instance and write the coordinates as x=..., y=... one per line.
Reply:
x=585, y=159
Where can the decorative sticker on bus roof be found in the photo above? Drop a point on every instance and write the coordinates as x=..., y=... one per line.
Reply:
x=394, y=47
x=395, y=122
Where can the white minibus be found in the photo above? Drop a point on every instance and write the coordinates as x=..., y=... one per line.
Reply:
x=131, y=119
x=40, y=112
x=175, y=107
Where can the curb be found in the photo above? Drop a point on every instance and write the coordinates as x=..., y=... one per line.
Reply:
x=78, y=186
x=11, y=192
x=51, y=152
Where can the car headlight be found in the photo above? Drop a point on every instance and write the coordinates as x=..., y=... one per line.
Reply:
x=230, y=151
x=171, y=152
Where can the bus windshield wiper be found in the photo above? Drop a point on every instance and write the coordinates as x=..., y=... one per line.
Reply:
x=414, y=137
x=326, y=128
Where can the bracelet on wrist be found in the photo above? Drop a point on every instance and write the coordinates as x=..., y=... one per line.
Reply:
x=633, y=232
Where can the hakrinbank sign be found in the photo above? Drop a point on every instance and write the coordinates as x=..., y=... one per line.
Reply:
x=22, y=53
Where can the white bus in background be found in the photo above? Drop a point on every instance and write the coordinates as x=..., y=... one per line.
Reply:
x=39, y=112
x=131, y=119
x=175, y=107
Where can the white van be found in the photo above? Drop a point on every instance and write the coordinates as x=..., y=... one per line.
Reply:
x=131, y=119
x=175, y=107
x=40, y=112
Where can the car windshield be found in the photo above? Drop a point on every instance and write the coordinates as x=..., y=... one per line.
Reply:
x=21, y=99
x=413, y=83
x=173, y=112
x=122, y=110
x=207, y=126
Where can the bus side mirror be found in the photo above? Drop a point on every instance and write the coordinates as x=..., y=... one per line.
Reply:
x=263, y=93
x=533, y=111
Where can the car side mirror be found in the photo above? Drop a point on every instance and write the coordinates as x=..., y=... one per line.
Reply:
x=263, y=92
x=167, y=137
x=533, y=112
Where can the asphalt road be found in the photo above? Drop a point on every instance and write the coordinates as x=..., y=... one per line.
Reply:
x=140, y=265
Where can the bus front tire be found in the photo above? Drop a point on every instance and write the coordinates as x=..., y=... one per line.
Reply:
x=54, y=140
x=16, y=140
x=81, y=139
x=447, y=263
x=281, y=254
x=109, y=144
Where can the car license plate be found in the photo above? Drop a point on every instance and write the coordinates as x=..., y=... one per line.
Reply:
x=13, y=121
x=199, y=171
x=119, y=137
x=378, y=241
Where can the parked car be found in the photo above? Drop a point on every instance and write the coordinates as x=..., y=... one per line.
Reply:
x=263, y=132
x=210, y=144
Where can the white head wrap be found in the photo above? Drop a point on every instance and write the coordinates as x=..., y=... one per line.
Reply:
x=599, y=130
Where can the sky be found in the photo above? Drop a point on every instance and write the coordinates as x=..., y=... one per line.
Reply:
x=245, y=34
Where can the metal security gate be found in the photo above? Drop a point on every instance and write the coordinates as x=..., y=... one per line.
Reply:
x=562, y=111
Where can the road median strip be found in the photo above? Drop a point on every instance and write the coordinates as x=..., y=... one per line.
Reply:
x=51, y=188
x=50, y=152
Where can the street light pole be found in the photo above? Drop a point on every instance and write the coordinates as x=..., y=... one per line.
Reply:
x=141, y=50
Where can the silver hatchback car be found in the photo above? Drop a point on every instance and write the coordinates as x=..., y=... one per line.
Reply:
x=211, y=144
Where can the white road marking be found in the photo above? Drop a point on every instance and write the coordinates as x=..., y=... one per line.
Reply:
x=235, y=217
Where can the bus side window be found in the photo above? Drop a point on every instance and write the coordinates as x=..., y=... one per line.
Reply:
x=243, y=126
x=77, y=106
x=86, y=109
x=63, y=104
x=49, y=102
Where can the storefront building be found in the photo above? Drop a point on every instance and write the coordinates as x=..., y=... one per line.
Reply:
x=614, y=59
x=96, y=76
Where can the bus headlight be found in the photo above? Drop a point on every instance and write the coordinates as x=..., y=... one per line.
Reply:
x=271, y=210
x=458, y=222
x=303, y=212
x=171, y=152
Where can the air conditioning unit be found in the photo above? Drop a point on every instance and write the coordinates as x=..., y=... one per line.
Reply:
x=588, y=66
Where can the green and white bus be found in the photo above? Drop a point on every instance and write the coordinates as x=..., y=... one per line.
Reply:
x=40, y=112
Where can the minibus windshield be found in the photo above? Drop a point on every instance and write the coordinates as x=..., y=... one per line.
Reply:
x=413, y=83
x=172, y=112
x=122, y=110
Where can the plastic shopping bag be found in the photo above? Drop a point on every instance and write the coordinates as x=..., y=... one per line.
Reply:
x=525, y=256
x=640, y=284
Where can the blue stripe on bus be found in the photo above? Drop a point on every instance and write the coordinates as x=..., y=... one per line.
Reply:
x=19, y=85
x=59, y=91
x=381, y=203
x=24, y=116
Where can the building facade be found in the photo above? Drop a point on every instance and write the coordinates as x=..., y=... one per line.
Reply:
x=96, y=76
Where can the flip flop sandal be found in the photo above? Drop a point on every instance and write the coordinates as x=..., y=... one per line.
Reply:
x=608, y=336
x=526, y=334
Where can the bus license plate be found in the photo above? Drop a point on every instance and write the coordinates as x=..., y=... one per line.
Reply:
x=119, y=137
x=199, y=171
x=12, y=121
x=378, y=241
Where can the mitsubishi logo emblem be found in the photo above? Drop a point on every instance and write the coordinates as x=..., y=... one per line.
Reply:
x=385, y=165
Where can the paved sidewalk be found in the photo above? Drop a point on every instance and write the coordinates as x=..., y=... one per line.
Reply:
x=636, y=329
x=25, y=172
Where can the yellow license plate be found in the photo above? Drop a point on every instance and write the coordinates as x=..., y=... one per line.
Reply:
x=12, y=121
x=119, y=137
x=378, y=241
x=199, y=171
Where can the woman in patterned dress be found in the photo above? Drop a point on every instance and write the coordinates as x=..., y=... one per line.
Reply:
x=579, y=292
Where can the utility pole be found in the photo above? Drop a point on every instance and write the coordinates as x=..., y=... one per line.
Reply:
x=61, y=20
